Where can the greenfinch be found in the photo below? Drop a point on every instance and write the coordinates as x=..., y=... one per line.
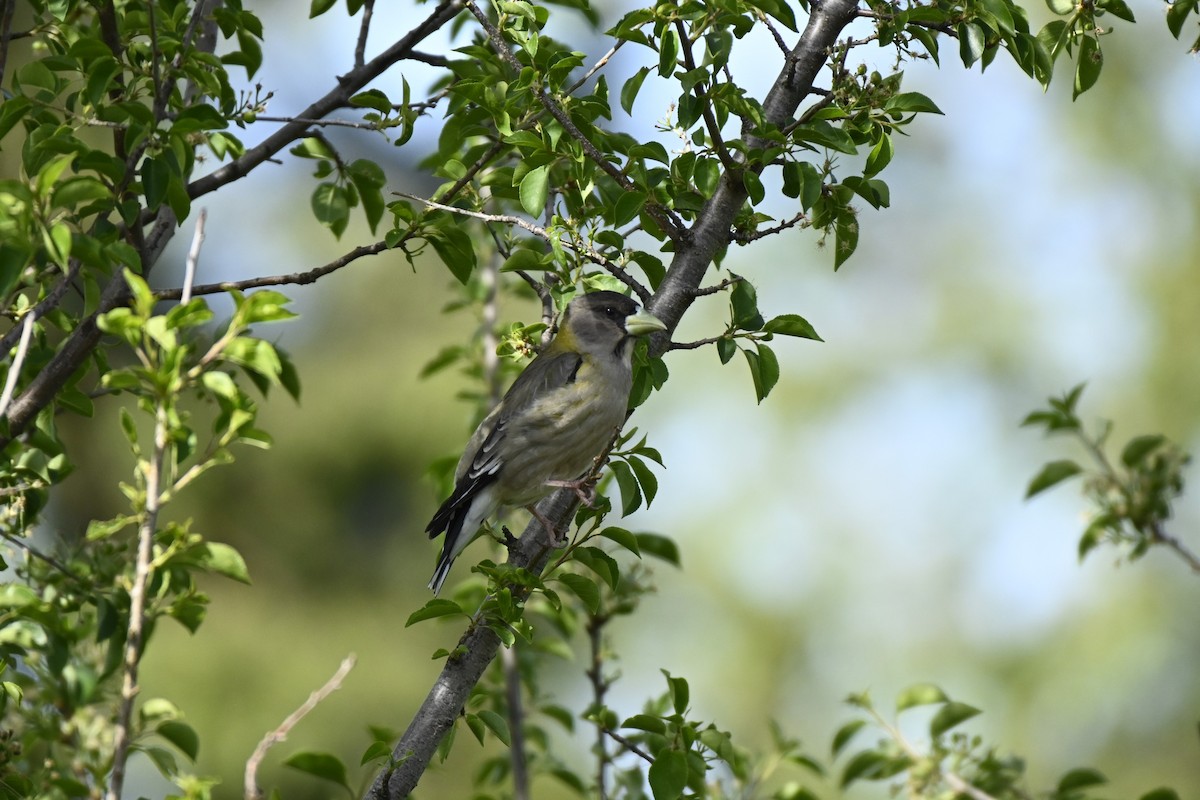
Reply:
x=557, y=417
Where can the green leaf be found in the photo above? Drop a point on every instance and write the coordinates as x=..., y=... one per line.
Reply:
x=1082, y=778
x=911, y=103
x=646, y=722
x=668, y=775
x=949, y=716
x=437, y=607
x=971, y=42
x=645, y=478
x=1052, y=474
x=1139, y=447
x=867, y=765
x=631, y=494
x=754, y=186
x=182, y=735
x=845, y=238
x=624, y=538
x=224, y=560
x=845, y=734
x=743, y=301
x=680, y=694
x=629, y=91
x=525, y=260
x=534, y=190
x=322, y=765
x=921, y=694
x=1061, y=7
x=453, y=246
x=1118, y=8
x=778, y=9
x=880, y=156
x=496, y=725
x=792, y=325
x=156, y=178
x=331, y=207
x=1162, y=793
x=1087, y=65
x=768, y=369
x=726, y=349
x=668, y=52
x=584, y=588
x=319, y=7
x=658, y=546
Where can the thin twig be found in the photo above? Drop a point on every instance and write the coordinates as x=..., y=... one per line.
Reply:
x=720, y=287
x=509, y=219
x=599, y=65
x=123, y=735
x=360, y=48
x=600, y=686
x=301, y=278
x=250, y=782
x=710, y=119
x=628, y=745
x=14, y=369
x=1160, y=536
x=800, y=219
x=33, y=551
x=696, y=344
x=193, y=258
x=6, y=34
x=326, y=123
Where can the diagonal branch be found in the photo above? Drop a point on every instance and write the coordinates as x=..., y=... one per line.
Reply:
x=338, y=97
x=695, y=252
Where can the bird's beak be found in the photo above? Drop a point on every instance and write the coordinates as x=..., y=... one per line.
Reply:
x=642, y=323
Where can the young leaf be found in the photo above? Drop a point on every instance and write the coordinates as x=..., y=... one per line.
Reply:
x=1082, y=778
x=1053, y=473
x=668, y=775
x=434, y=608
x=792, y=325
x=949, y=716
x=1139, y=447
x=322, y=765
x=921, y=694
x=534, y=190
x=845, y=734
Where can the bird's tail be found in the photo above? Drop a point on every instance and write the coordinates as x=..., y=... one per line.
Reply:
x=462, y=523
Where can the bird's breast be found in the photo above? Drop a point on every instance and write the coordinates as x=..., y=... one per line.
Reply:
x=562, y=433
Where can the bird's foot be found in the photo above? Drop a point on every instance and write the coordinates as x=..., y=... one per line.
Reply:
x=584, y=489
x=557, y=538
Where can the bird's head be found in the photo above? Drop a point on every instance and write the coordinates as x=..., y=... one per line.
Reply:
x=605, y=322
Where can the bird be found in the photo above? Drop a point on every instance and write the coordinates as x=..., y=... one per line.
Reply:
x=555, y=419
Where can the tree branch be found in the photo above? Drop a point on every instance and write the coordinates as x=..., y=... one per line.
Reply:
x=250, y=779
x=338, y=97
x=710, y=233
x=695, y=251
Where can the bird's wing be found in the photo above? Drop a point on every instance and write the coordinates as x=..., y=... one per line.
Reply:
x=544, y=374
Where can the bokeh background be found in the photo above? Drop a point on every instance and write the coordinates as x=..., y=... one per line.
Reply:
x=862, y=529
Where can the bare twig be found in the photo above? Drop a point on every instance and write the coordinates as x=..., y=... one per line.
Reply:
x=33, y=551
x=335, y=98
x=599, y=65
x=319, y=123
x=123, y=735
x=628, y=745
x=6, y=34
x=14, y=369
x=720, y=287
x=250, y=782
x=509, y=219
x=696, y=344
x=745, y=238
x=1159, y=535
x=710, y=119
x=360, y=47
x=193, y=258
x=600, y=687
x=301, y=278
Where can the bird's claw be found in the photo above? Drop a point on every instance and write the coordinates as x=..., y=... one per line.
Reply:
x=583, y=488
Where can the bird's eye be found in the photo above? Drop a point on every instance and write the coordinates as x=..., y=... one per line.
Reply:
x=610, y=312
